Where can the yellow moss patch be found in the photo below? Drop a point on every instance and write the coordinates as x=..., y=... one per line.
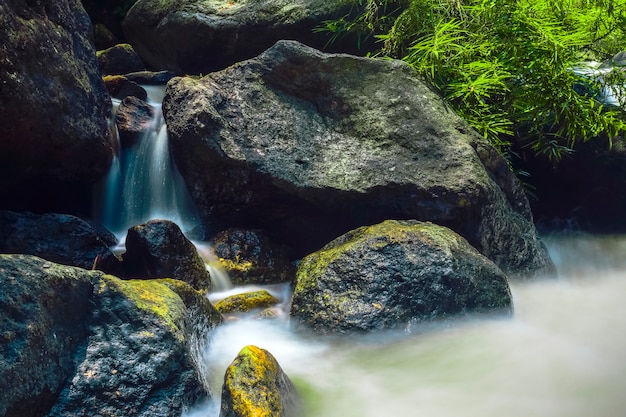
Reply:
x=246, y=302
x=151, y=296
x=236, y=266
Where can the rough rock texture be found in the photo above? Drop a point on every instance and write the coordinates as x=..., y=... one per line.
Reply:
x=202, y=36
x=249, y=257
x=134, y=117
x=159, y=249
x=256, y=386
x=59, y=238
x=246, y=302
x=307, y=146
x=394, y=274
x=54, y=136
x=81, y=343
x=119, y=59
x=121, y=87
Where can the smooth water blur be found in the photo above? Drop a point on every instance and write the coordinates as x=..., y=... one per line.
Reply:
x=561, y=354
x=144, y=183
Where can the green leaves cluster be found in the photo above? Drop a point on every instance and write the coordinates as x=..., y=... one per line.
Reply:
x=507, y=66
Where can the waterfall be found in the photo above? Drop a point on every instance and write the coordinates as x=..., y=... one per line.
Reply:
x=143, y=182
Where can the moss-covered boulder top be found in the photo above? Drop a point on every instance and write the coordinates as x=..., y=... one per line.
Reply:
x=256, y=386
x=308, y=145
x=199, y=36
x=78, y=342
x=395, y=274
x=249, y=301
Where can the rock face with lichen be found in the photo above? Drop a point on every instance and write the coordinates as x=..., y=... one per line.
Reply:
x=250, y=257
x=54, y=135
x=308, y=145
x=256, y=386
x=395, y=274
x=246, y=302
x=77, y=342
x=200, y=36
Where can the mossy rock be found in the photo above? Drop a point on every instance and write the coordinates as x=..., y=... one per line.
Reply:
x=394, y=274
x=246, y=302
x=256, y=386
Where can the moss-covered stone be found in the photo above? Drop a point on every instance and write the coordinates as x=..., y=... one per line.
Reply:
x=246, y=302
x=256, y=386
x=393, y=274
x=152, y=296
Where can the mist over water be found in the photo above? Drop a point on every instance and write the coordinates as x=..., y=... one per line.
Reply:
x=560, y=354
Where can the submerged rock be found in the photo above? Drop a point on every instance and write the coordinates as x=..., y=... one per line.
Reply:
x=241, y=303
x=54, y=136
x=307, y=146
x=394, y=274
x=256, y=386
x=79, y=342
x=250, y=257
x=202, y=36
x=59, y=238
x=159, y=249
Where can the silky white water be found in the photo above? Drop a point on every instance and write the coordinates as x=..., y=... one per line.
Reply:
x=143, y=182
x=562, y=353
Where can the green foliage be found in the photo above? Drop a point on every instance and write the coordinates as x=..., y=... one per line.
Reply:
x=507, y=66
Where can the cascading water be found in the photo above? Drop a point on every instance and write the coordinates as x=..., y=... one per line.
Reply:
x=143, y=182
x=560, y=355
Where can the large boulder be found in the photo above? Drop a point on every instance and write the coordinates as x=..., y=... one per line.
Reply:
x=201, y=36
x=60, y=238
x=159, y=249
x=308, y=145
x=79, y=342
x=256, y=386
x=54, y=136
x=395, y=274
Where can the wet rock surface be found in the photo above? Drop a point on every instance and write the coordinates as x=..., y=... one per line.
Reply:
x=393, y=275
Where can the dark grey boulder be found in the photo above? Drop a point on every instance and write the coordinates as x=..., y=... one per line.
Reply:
x=79, y=342
x=191, y=37
x=308, y=145
x=119, y=59
x=134, y=118
x=54, y=135
x=250, y=257
x=159, y=249
x=256, y=385
x=121, y=87
x=393, y=275
x=60, y=238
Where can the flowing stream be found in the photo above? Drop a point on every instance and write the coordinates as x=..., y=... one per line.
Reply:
x=143, y=182
x=560, y=354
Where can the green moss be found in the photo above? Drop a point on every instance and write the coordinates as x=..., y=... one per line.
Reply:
x=246, y=302
x=250, y=380
x=236, y=266
x=377, y=236
x=151, y=296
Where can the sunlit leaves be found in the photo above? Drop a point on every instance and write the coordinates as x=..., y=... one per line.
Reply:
x=507, y=66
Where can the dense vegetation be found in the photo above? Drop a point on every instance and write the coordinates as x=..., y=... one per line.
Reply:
x=511, y=68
